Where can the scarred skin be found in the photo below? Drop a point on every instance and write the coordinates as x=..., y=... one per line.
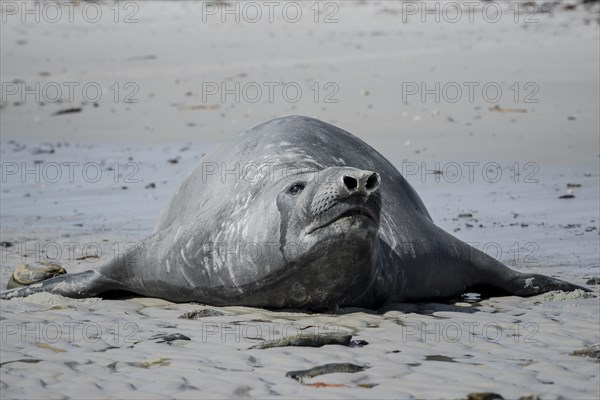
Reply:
x=296, y=213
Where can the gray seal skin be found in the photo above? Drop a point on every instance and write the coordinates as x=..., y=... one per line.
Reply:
x=296, y=213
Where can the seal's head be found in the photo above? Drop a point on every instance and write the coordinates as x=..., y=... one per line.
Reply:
x=338, y=201
x=328, y=224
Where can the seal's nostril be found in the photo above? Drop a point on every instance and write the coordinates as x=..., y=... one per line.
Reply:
x=372, y=182
x=350, y=182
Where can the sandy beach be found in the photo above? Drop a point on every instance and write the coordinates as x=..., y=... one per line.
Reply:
x=493, y=118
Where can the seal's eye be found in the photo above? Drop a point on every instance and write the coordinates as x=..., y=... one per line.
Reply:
x=297, y=188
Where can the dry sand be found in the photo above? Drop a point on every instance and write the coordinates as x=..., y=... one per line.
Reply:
x=54, y=347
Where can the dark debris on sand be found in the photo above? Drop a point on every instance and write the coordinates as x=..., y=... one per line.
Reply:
x=201, y=314
x=324, y=369
x=307, y=341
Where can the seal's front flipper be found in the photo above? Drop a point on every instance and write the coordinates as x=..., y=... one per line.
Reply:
x=80, y=285
x=533, y=284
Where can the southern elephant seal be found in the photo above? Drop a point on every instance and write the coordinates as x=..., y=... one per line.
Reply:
x=297, y=213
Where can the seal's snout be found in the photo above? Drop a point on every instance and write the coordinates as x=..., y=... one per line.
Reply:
x=360, y=182
x=344, y=183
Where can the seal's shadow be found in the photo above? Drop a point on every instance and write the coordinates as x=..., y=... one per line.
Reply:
x=428, y=309
x=423, y=308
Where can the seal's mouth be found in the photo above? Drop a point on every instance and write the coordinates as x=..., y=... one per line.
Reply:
x=356, y=213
